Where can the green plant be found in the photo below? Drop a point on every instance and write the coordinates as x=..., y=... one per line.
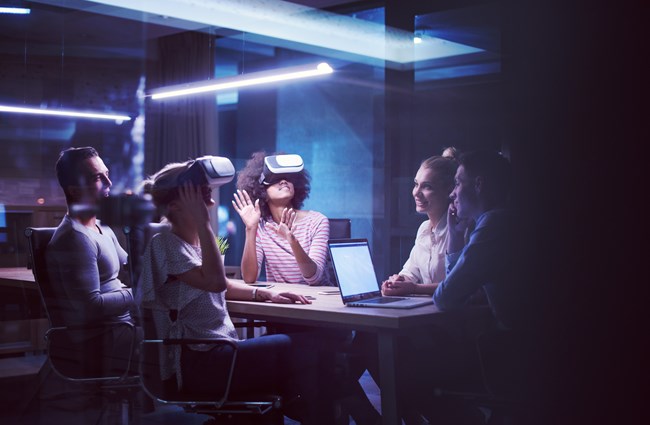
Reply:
x=222, y=244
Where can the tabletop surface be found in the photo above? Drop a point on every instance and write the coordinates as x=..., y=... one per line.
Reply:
x=329, y=309
x=18, y=277
x=325, y=308
x=17, y=273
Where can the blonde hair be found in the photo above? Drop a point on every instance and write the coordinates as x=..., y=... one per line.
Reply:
x=163, y=186
x=445, y=169
x=451, y=152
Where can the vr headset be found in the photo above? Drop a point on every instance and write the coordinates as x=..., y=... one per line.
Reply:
x=211, y=170
x=278, y=167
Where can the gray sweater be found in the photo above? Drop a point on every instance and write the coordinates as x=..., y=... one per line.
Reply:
x=84, y=266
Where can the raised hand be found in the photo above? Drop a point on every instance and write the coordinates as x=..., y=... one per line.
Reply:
x=287, y=224
x=248, y=210
x=192, y=196
x=457, y=228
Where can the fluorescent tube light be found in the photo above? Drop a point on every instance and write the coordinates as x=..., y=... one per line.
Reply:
x=254, y=78
x=15, y=10
x=63, y=113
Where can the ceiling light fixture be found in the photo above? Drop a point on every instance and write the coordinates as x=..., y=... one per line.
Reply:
x=64, y=113
x=289, y=25
x=252, y=79
x=15, y=10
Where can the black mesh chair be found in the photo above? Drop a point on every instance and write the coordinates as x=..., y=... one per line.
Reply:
x=244, y=408
x=340, y=228
x=137, y=238
x=67, y=346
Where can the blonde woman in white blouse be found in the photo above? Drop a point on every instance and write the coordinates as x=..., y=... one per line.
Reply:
x=425, y=267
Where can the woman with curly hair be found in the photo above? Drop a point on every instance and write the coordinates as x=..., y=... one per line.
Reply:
x=293, y=241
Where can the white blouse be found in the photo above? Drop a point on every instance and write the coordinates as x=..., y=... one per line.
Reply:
x=426, y=263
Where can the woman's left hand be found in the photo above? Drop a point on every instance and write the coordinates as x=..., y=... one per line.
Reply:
x=288, y=298
x=287, y=224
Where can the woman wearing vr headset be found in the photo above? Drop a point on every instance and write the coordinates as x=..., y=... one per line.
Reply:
x=293, y=241
x=270, y=193
x=184, y=283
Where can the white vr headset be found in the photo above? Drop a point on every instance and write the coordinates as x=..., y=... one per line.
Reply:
x=211, y=170
x=277, y=167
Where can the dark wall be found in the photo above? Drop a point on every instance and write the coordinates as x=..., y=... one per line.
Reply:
x=31, y=144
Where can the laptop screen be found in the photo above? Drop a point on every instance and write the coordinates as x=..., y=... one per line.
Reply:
x=353, y=268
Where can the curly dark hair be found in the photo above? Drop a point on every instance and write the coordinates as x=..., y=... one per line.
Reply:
x=248, y=179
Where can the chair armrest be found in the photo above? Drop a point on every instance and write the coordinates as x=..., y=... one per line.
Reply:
x=90, y=326
x=215, y=341
x=251, y=324
x=188, y=341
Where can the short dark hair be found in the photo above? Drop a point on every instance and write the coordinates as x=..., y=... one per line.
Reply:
x=248, y=179
x=495, y=170
x=68, y=164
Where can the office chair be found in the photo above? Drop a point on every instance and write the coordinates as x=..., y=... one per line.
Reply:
x=65, y=354
x=247, y=408
x=230, y=408
x=137, y=238
x=340, y=228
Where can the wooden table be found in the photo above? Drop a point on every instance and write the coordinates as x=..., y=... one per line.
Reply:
x=387, y=323
x=23, y=331
x=17, y=277
x=329, y=311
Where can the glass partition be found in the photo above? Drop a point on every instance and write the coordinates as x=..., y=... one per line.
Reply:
x=396, y=96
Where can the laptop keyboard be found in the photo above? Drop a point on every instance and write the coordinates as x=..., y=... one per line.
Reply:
x=383, y=300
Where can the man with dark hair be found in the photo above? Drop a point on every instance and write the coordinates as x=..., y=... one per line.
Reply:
x=84, y=260
x=487, y=261
x=68, y=169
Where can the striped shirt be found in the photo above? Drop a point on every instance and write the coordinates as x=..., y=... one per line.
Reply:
x=312, y=232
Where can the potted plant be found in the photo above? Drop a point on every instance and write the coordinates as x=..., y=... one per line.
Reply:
x=222, y=244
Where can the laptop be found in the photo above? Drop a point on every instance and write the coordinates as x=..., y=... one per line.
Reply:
x=357, y=280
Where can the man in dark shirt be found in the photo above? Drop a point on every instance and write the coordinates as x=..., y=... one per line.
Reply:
x=488, y=264
x=491, y=258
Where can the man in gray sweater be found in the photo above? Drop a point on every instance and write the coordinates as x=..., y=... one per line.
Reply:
x=84, y=260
